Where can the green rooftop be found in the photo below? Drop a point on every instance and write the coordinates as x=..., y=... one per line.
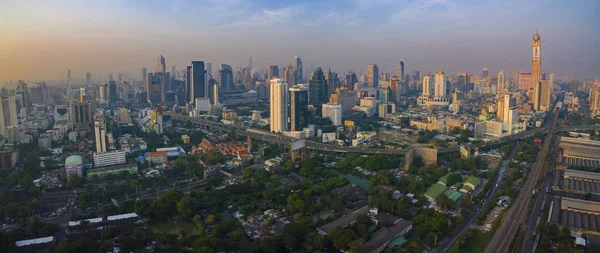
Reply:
x=397, y=242
x=435, y=190
x=472, y=181
x=453, y=195
x=456, y=185
x=444, y=179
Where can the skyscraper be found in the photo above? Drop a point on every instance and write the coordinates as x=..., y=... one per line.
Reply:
x=485, y=73
x=69, y=77
x=112, y=93
x=298, y=108
x=317, y=88
x=461, y=82
x=273, y=71
x=214, y=91
x=384, y=76
x=278, y=105
x=208, y=69
x=298, y=74
x=440, y=84
x=198, y=87
x=188, y=83
x=332, y=84
x=574, y=85
x=174, y=71
x=88, y=77
x=289, y=75
x=395, y=86
x=400, y=70
x=426, y=85
x=501, y=82
x=144, y=73
x=226, y=78
x=351, y=79
x=373, y=75
x=161, y=67
x=100, y=135
x=536, y=70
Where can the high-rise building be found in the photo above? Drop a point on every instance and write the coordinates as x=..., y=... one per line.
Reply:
x=440, y=84
x=344, y=97
x=161, y=67
x=153, y=85
x=214, y=91
x=545, y=95
x=298, y=108
x=174, y=71
x=208, y=66
x=69, y=77
x=110, y=77
x=144, y=73
x=416, y=75
x=226, y=78
x=8, y=114
x=273, y=71
x=461, y=81
x=278, y=105
x=594, y=98
x=351, y=79
x=384, y=76
x=298, y=74
x=396, y=89
x=88, y=77
x=112, y=93
x=332, y=83
x=536, y=70
x=485, y=73
x=289, y=75
x=120, y=77
x=524, y=81
x=82, y=114
x=198, y=87
x=38, y=93
x=574, y=86
x=400, y=70
x=333, y=112
x=373, y=75
x=501, y=82
x=100, y=135
x=317, y=88
x=426, y=85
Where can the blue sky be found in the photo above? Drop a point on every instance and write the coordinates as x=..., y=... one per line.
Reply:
x=40, y=39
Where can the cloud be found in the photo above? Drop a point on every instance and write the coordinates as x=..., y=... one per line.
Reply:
x=347, y=19
x=270, y=17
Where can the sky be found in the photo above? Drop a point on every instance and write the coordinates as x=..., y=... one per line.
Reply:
x=39, y=40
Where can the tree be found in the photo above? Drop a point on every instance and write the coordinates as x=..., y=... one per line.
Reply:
x=342, y=237
x=79, y=246
x=316, y=240
x=211, y=219
x=186, y=206
x=75, y=182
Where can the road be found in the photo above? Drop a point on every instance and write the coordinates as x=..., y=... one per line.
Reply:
x=528, y=240
x=466, y=226
x=517, y=213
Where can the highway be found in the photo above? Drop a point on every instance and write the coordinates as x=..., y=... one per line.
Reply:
x=535, y=213
x=466, y=226
x=517, y=213
x=314, y=145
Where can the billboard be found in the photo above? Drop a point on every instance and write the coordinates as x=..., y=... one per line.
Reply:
x=348, y=123
x=328, y=137
x=299, y=144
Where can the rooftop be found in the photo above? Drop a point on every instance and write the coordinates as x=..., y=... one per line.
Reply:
x=41, y=240
x=435, y=190
x=384, y=235
x=343, y=221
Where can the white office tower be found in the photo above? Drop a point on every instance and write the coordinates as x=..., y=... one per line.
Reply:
x=501, y=82
x=440, y=84
x=100, y=134
x=509, y=112
x=333, y=112
x=216, y=93
x=8, y=115
x=202, y=104
x=427, y=85
x=279, y=105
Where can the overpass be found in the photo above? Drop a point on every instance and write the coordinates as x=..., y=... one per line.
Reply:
x=267, y=136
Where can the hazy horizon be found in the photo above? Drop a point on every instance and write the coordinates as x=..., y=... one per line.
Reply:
x=41, y=40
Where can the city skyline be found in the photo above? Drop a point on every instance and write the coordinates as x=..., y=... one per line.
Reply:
x=43, y=40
